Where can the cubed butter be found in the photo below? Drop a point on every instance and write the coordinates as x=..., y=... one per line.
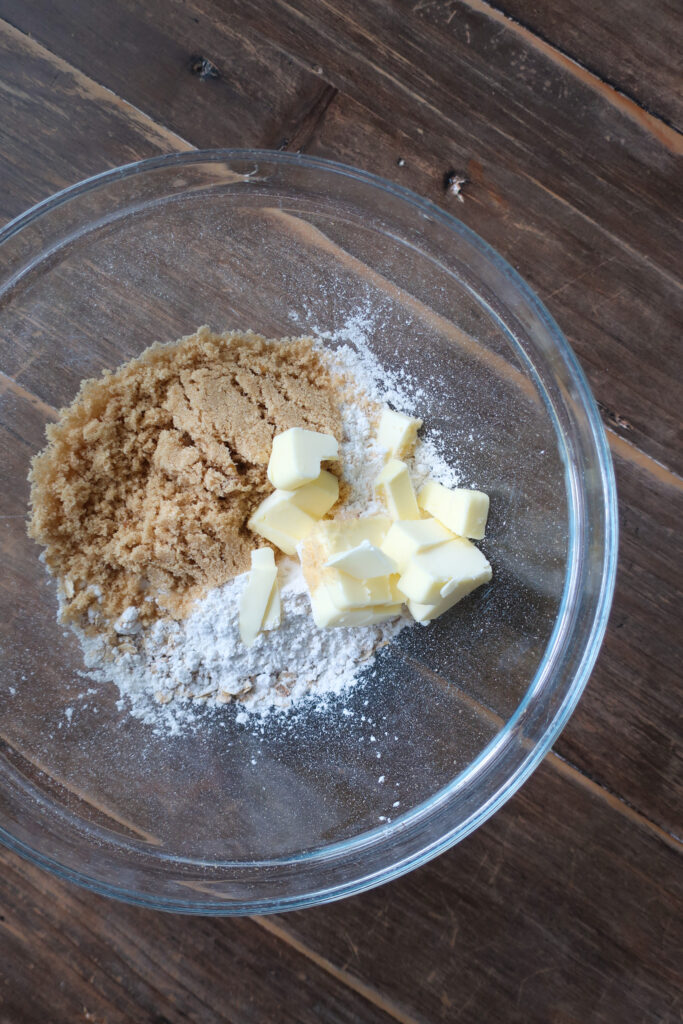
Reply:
x=363, y=562
x=316, y=498
x=348, y=593
x=454, y=568
x=337, y=597
x=327, y=615
x=395, y=487
x=296, y=456
x=461, y=510
x=424, y=613
x=408, y=537
x=280, y=521
x=397, y=432
x=257, y=596
x=343, y=534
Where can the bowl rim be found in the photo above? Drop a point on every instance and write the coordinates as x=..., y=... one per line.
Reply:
x=600, y=614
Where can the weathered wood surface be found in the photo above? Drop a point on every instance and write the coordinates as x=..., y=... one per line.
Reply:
x=578, y=187
x=70, y=956
x=634, y=48
x=563, y=907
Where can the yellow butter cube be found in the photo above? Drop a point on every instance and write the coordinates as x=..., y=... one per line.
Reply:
x=280, y=521
x=397, y=432
x=408, y=537
x=344, y=590
x=424, y=613
x=347, y=592
x=257, y=596
x=296, y=456
x=317, y=498
x=363, y=562
x=343, y=534
x=456, y=567
x=327, y=615
x=396, y=489
x=463, y=511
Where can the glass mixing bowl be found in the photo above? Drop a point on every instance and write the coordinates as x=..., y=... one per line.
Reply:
x=231, y=818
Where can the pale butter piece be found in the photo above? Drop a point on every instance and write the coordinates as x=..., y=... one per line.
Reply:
x=452, y=569
x=347, y=592
x=397, y=432
x=257, y=595
x=463, y=511
x=330, y=585
x=396, y=488
x=363, y=562
x=280, y=521
x=343, y=534
x=408, y=537
x=326, y=614
x=424, y=613
x=296, y=456
x=316, y=498
x=273, y=613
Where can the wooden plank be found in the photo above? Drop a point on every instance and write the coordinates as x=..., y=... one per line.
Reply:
x=69, y=955
x=626, y=729
x=558, y=909
x=202, y=77
x=636, y=51
x=622, y=316
x=581, y=197
x=489, y=89
x=45, y=105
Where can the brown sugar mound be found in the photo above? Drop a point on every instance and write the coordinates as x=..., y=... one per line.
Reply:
x=143, y=493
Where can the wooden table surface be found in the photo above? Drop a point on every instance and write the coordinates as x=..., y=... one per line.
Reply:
x=562, y=119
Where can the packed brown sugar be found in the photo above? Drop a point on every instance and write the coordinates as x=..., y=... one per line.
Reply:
x=144, y=491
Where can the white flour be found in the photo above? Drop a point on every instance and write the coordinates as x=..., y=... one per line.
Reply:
x=165, y=674
x=203, y=658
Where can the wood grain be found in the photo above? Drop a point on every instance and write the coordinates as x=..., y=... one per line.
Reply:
x=206, y=79
x=77, y=128
x=635, y=51
x=68, y=956
x=621, y=315
x=559, y=909
x=555, y=911
x=626, y=730
x=584, y=200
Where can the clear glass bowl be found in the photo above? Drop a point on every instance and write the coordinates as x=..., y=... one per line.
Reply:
x=229, y=819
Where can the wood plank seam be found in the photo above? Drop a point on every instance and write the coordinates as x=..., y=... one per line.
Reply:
x=656, y=125
x=673, y=142
x=129, y=110
x=340, y=974
x=616, y=802
x=145, y=119
x=621, y=242
x=567, y=59
x=565, y=768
